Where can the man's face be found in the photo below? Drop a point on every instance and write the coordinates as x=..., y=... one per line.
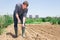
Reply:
x=24, y=6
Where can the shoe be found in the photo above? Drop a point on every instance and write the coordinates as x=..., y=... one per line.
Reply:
x=14, y=36
x=23, y=35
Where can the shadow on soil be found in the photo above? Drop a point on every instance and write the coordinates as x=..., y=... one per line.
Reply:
x=14, y=36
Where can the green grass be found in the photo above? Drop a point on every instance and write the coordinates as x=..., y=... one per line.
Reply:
x=53, y=20
x=33, y=21
x=4, y=22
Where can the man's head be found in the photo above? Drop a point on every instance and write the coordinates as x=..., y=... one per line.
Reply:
x=25, y=5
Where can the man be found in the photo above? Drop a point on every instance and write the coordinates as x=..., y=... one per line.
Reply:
x=20, y=13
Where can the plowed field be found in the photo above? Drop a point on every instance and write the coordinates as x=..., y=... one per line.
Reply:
x=43, y=31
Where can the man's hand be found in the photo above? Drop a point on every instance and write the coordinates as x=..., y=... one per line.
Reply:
x=18, y=20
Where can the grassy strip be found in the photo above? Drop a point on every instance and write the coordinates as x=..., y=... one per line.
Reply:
x=53, y=20
x=4, y=22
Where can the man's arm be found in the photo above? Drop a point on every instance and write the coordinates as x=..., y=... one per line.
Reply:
x=16, y=10
x=17, y=16
x=24, y=17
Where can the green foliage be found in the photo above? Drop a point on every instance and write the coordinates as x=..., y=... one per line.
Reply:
x=53, y=20
x=4, y=22
x=59, y=20
x=33, y=20
x=1, y=30
x=8, y=20
x=29, y=20
x=47, y=19
x=43, y=19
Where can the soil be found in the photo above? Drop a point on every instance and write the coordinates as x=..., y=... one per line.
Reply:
x=43, y=31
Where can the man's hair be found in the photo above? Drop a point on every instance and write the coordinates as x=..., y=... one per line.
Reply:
x=26, y=3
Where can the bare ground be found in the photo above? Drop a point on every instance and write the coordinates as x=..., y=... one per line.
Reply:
x=44, y=31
